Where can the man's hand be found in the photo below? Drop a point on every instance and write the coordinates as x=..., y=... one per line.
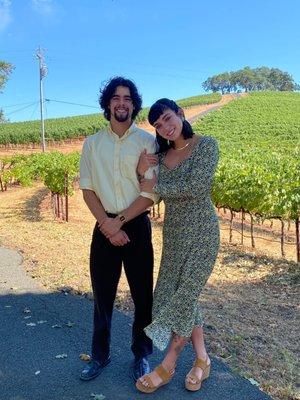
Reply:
x=146, y=185
x=110, y=226
x=119, y=239
x=146, y=161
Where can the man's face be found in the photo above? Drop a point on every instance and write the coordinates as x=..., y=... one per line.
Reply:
x=120, y=105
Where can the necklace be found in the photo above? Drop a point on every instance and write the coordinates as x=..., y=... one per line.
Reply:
x=183, y=147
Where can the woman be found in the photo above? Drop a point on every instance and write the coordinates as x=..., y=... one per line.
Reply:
x=190, y=241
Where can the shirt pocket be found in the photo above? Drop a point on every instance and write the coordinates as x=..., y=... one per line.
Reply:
x=128, y=166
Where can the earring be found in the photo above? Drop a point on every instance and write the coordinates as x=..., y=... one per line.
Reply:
x=168, y=142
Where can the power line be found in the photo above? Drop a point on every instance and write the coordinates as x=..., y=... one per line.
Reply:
x=74, y=104
x=27, y=105
x=21, y=109
x=15, y=105
x=34, y=111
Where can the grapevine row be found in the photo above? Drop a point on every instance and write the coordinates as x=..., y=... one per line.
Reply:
x=75, y=127
x=259, y=168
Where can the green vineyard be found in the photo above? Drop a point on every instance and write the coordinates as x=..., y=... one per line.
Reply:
x=75, y=127
x=51, y=168
x=259, y=169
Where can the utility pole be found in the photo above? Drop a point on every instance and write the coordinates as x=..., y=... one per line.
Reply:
x=43, y=73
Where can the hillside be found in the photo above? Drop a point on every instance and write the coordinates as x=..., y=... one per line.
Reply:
x=74, y=127
x=259, y=169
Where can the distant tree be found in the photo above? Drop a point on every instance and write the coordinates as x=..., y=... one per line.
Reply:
x=225, y=83
x=281, y=80
x=5, y=70
x=248, y=79
x=210, y=84
x=219, y=83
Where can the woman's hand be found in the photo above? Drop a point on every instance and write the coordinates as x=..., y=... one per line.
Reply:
x=146, y=161
x=146, y=185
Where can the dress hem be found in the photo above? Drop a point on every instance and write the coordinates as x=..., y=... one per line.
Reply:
x=162, y=343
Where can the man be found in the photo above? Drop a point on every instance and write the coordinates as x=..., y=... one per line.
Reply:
x=122, y=233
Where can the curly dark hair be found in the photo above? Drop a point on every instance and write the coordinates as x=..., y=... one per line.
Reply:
x=108, y=90
x=155, y=112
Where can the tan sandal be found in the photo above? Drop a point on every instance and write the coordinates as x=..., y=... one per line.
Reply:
x=199, y=363
x=165, y=375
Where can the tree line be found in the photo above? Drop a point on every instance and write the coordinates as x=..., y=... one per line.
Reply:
x=251, y=79
x=5, y=71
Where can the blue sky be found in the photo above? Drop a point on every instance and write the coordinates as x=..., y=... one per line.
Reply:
x=168, y=47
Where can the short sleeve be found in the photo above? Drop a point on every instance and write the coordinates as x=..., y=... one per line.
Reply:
x=85, y=180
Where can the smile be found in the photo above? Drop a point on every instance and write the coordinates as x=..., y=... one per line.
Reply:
x=170, y=133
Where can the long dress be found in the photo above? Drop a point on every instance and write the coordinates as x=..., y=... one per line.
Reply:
x=190, y=242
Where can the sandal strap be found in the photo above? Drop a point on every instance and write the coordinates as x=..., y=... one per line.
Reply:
x=199, y=363
x=194, y=378
x=162, y=373
x=149, y=381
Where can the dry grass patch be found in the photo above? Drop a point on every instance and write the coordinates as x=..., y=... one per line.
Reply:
x=250, y=300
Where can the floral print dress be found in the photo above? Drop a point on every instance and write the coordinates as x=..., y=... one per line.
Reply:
x=190, y=242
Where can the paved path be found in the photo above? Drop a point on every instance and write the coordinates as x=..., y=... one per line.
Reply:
x=30, y=371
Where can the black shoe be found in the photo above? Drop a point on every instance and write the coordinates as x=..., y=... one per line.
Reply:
x=93, y=369
x=140, y=367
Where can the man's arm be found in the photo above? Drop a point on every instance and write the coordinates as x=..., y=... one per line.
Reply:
x=95, y=206
x=112, y=225
x=119, y=238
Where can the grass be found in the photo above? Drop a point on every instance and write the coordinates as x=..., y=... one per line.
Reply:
x=249, y=301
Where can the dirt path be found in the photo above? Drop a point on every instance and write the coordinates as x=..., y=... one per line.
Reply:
x=193, y=112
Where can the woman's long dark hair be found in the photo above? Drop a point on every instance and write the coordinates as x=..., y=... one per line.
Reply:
x=107, y=92
x=155, y=112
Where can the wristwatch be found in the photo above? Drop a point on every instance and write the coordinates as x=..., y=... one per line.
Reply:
x=122, y=218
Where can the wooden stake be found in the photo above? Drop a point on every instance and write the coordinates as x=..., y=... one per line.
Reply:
x=282, y=238
x=297, y=239
x=252, y=236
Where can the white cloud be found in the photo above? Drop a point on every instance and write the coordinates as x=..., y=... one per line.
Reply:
x=44, y=7
x=5, y=16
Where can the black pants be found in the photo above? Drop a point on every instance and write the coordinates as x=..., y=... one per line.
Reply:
x=105, y=267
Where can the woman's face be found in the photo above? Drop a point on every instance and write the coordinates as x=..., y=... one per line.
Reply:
x=169, y=125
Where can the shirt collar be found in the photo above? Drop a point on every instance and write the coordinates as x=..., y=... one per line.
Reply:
x=130, y=130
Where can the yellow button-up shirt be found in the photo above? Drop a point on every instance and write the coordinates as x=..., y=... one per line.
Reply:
x=108, y=166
